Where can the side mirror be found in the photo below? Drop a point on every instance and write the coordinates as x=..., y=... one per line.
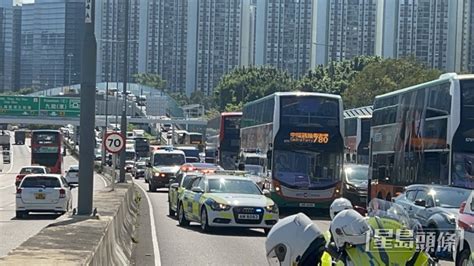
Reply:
x=420, y=202
x=174, y=186
x=266, y=192
x=71, y=186
x=197, y=190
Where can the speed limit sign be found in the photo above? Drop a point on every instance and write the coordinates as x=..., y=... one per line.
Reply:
x=114, y=142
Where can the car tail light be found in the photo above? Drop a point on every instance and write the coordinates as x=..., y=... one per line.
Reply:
x=62, y=193
x=18, y=192
x=461, y=209
x=19, y=177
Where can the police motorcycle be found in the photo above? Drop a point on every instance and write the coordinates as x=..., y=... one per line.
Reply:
x=352, y=239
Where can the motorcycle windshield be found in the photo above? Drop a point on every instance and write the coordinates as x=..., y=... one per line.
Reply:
x=389, y=212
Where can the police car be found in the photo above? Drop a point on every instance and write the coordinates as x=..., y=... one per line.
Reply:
x=226, y=200
x=184, y=179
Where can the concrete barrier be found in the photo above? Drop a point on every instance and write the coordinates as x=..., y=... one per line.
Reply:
x=106, y=239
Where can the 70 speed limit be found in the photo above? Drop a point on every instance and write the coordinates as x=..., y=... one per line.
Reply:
x=114, y=142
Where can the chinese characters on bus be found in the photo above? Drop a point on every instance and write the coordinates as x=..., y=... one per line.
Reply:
x=321, y=138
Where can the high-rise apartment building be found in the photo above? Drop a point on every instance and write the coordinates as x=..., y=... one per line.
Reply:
x=284, y=31
x=248, y=27
x=214, y=42
x=430, y=30
x=352, y=28
x=51, y=40
x=10, y=26
x=296, y=35
x=109, y=30
x=163, y=41
x=467, y=33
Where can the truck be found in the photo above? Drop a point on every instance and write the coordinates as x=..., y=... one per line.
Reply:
x=138, y=133
x=142, y=147
x=20, y=136
x=5, y=141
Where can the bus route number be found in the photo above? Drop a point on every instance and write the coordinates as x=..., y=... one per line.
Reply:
x=321, y=138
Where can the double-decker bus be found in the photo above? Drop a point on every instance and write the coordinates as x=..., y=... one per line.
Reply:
x=301, y=134
x=423, y=135
x=227, y=127
x=357, y=134
x=46, y=149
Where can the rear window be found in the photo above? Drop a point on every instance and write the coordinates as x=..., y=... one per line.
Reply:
x=73, y=170
x=31, y=170
x=40, y=181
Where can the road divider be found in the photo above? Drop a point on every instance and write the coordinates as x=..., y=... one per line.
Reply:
x=104, y=239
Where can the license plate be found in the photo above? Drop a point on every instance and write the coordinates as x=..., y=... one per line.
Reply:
x=305, y=204
x=40, y=196
x=248, y=216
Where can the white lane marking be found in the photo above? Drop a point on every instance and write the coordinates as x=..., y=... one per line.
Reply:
x=9, y=186
x=154, y=238
x=103, y=179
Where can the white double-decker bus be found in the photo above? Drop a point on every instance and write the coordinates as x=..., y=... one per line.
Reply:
x=423, y=134
x=300, y=136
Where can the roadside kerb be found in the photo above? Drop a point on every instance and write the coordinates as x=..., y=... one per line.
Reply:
x=78, y=240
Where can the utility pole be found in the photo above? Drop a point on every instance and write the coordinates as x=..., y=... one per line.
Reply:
x=123, y=125
x=87, y=119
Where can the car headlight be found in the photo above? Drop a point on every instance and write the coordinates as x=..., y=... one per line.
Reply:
x=272, y=208
x=157, y=174
x=215, y=206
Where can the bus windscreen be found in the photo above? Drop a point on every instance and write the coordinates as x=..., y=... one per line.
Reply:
x=306, y=169
x=317, y=111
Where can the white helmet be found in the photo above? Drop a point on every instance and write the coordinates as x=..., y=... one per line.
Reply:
x=349, y=227
x=339, y=205
x=294, y=240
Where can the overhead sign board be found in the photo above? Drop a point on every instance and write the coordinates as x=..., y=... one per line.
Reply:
x=39, y=106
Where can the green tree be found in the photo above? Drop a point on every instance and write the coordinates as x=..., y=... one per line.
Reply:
x=179, y=97
x=385, y=76
x=246, y=84
x=335, y=77
x=151, y=80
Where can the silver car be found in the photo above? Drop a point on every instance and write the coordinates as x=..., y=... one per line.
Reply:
x=436, y=207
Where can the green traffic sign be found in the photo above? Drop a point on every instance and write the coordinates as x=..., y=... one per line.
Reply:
x=19, y=105
x=61, y=107
x=40, y=106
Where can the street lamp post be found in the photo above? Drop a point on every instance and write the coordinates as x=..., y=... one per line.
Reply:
x=87, y=117
x=332, y=61
x=123, y=125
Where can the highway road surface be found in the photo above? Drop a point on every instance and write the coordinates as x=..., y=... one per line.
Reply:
x=13, y=231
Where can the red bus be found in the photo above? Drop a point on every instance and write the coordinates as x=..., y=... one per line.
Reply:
x=46, y=149
x=223, y=136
